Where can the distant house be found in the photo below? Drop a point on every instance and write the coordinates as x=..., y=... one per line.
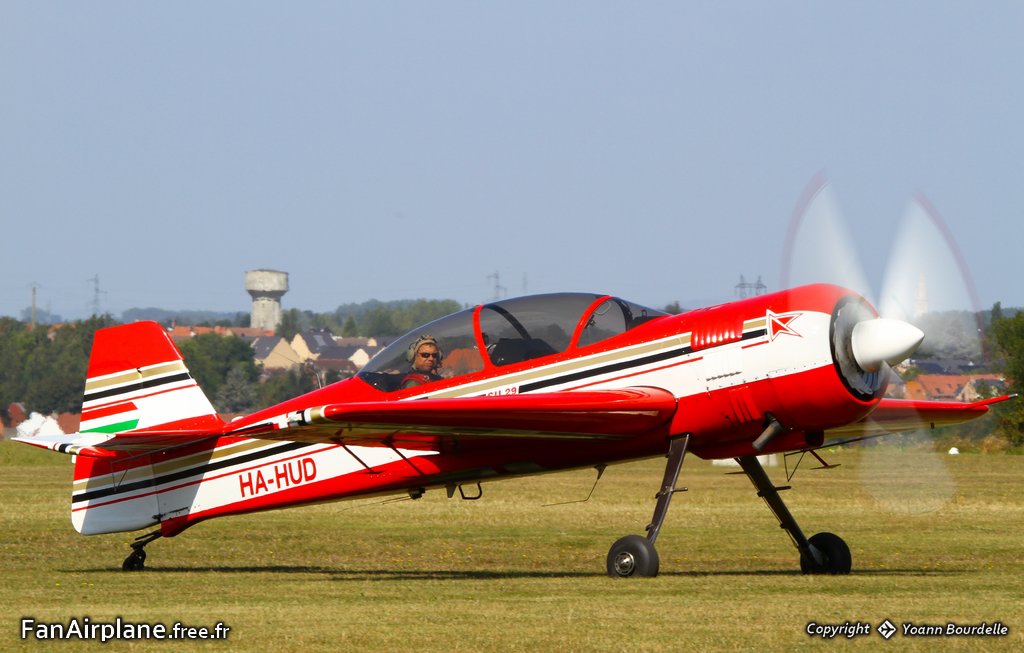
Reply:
x=274, y=353
x=364, y=355
x=357, y=341
x=360, y=355
x=17, y=413
x=982, y=386
x=180, y=332
x=951, y=387
x=69, y=422
x=333, y=368
x=463, y=361
x=309, y=344
x=249, y=332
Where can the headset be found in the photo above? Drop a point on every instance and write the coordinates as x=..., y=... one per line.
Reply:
x=425, y=339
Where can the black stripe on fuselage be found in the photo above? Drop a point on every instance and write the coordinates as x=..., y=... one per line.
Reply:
x=154, y=481
x=141, y=385
x=606, y=369
x=624, y=365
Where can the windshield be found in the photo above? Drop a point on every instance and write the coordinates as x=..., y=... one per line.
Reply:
x=520, y=329
x=511, y=331
x=612, y=317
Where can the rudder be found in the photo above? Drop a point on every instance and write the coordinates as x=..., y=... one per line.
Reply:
x=137, y=380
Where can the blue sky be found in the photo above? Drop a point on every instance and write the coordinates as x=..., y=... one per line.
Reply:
x=410, y=149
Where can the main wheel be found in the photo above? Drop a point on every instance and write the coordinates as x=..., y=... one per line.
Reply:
x=833, y=549
x=633, y=555
x=136, y=561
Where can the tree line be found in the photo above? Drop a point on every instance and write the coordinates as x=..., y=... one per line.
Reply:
x=369, y=319
x=44, y=368
x=1006, y=338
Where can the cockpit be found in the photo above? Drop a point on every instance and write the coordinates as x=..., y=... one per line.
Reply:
x=507, y=332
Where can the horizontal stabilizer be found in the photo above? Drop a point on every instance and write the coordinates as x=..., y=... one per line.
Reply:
x=108, y=445
x=74, y=444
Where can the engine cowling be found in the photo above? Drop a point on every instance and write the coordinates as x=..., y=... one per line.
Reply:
x=823, y=362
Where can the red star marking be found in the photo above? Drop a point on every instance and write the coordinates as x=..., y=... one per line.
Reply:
x=778, y=324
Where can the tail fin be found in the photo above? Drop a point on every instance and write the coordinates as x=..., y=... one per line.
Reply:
x=137, y=380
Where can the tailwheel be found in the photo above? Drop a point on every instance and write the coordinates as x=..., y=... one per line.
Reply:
x=834, y=553
x=136, y=560
x=633, y=555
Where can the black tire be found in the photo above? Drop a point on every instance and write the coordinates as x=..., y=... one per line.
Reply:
x=834, y=550
x=136, y=561
x=633, y=555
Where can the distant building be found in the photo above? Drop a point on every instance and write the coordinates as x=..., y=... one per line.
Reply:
x=274, y=353
x=69, y=422
x=360, y=355
x=17, y=413
x=266, y=287
x=330, y=369
x=309, y=344
x=180, y=332
x=952, y=387
x=358, y=341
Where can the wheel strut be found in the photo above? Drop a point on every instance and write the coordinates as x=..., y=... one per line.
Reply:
x=635, y=555
x=822, y=553
x=676, y=453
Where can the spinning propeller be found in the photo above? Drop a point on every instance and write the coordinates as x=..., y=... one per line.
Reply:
x=925, y=274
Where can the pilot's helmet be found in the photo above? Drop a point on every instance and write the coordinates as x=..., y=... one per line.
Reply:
x=425, y=339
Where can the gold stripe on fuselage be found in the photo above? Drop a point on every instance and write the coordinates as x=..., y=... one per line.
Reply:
x=574, y=365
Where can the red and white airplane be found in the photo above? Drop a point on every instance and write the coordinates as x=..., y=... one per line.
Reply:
x=523, y=386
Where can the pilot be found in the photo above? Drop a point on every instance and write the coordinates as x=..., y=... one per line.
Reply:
x=425, y=357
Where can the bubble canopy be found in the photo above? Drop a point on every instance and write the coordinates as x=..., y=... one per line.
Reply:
x=509, y=331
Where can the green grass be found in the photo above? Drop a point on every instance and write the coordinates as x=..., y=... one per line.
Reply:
x=506, y=573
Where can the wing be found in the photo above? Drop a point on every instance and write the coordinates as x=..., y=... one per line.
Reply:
x=896, y=415
x=416, y=424
x=606, y=414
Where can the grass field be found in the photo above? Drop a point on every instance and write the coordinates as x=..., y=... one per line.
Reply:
x=506, y=573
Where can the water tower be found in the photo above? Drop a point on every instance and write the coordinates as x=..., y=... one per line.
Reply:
x=266, y=288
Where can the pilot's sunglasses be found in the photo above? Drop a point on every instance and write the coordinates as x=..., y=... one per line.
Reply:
x=432, y=354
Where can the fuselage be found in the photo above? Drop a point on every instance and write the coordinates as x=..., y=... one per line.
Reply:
x=729, y=366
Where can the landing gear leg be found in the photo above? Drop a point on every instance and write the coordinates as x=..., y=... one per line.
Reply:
x=635, y=555
x=823, y=553
x=136, y=560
